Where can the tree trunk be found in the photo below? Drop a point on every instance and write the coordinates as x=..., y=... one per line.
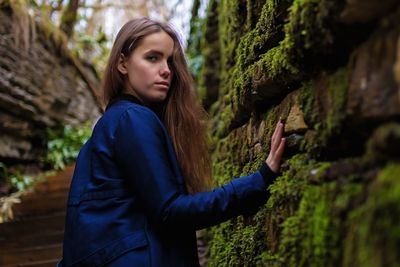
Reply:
x=69, y=17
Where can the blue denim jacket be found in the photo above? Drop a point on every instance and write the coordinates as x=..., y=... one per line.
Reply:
x=128, y=205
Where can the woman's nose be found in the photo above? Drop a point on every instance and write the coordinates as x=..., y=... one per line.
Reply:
x=165, y=70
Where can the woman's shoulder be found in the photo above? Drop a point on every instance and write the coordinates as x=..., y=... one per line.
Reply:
x=129, y=114
x=136, y=122
x=126, y=109
x=126, y=114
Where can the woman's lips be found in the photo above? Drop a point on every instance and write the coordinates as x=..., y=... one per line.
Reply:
x=163, y=84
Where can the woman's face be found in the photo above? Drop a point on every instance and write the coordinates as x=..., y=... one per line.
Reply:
x=148, y=69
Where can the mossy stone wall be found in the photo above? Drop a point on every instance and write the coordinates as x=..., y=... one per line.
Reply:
x=332, y=70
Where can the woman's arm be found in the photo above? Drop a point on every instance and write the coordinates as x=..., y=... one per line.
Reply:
x=141, y=151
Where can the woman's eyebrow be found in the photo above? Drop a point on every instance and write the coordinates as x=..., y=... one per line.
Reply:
x=154, y=51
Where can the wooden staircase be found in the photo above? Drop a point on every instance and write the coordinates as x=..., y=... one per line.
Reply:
x=34, y=237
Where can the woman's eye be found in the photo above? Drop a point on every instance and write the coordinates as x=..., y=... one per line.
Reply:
x=152, y=58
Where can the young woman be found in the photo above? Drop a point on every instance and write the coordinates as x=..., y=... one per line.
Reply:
x=141, y=185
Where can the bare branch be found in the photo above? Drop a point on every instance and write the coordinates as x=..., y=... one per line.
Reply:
x=110, y=5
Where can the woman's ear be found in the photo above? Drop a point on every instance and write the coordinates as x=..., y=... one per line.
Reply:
x=122, y=64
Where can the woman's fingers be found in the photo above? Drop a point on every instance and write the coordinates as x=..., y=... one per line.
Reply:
x=279, y=151
x=274, y=159
x=276, y=137
x=277, y=147
x=275, y=130
x=273, y=138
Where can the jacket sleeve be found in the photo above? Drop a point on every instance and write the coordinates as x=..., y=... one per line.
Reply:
x=141, y=152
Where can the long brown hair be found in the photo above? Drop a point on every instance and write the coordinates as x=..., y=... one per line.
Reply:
x=181, y=111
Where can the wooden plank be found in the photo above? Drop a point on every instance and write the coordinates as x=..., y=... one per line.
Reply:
x=35, y=225
x=41, y=203
x=34, y=239
x=59, y=181
x=30, y=255
x=43, y=263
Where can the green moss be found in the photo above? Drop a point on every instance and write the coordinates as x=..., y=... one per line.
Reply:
x=225, y=165
x=302, y=222
x=230, y=28
x=338, y=87
x=300, y=171
x=384, y=142
x=303, y=32
x=238, y=242
x=226, y=116
x=308, y=32
x=208, y=76
x=234, y=244
x=309, y=237
x=221, y=250
x=271, y=54
x=237, y=71
x=303, y=213
x=307, y=100
x=347, y=193
x=323, y=102
x=239, y=90
x=333, y=105
x=373, y=229
x=265, y=35
x=253, y=8
x=275, y=65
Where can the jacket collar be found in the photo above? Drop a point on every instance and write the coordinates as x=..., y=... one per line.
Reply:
x=156, y=108
x=127, y=97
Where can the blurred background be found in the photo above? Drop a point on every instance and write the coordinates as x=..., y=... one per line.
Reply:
x=330, y=68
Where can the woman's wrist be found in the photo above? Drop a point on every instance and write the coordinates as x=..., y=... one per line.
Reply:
x=266, y=172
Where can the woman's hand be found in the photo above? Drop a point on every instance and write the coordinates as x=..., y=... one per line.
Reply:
x=277, y=147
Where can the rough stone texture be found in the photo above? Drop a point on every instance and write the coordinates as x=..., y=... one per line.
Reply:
x=366, y=10
x=41, y=87
x=295, y=120
x=332, y=70
x=374, y=92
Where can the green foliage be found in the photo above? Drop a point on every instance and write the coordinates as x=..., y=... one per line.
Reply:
x=17, y=180
x=64, y=144
x=91, y=48
x=21, y=182
x=195, y=63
